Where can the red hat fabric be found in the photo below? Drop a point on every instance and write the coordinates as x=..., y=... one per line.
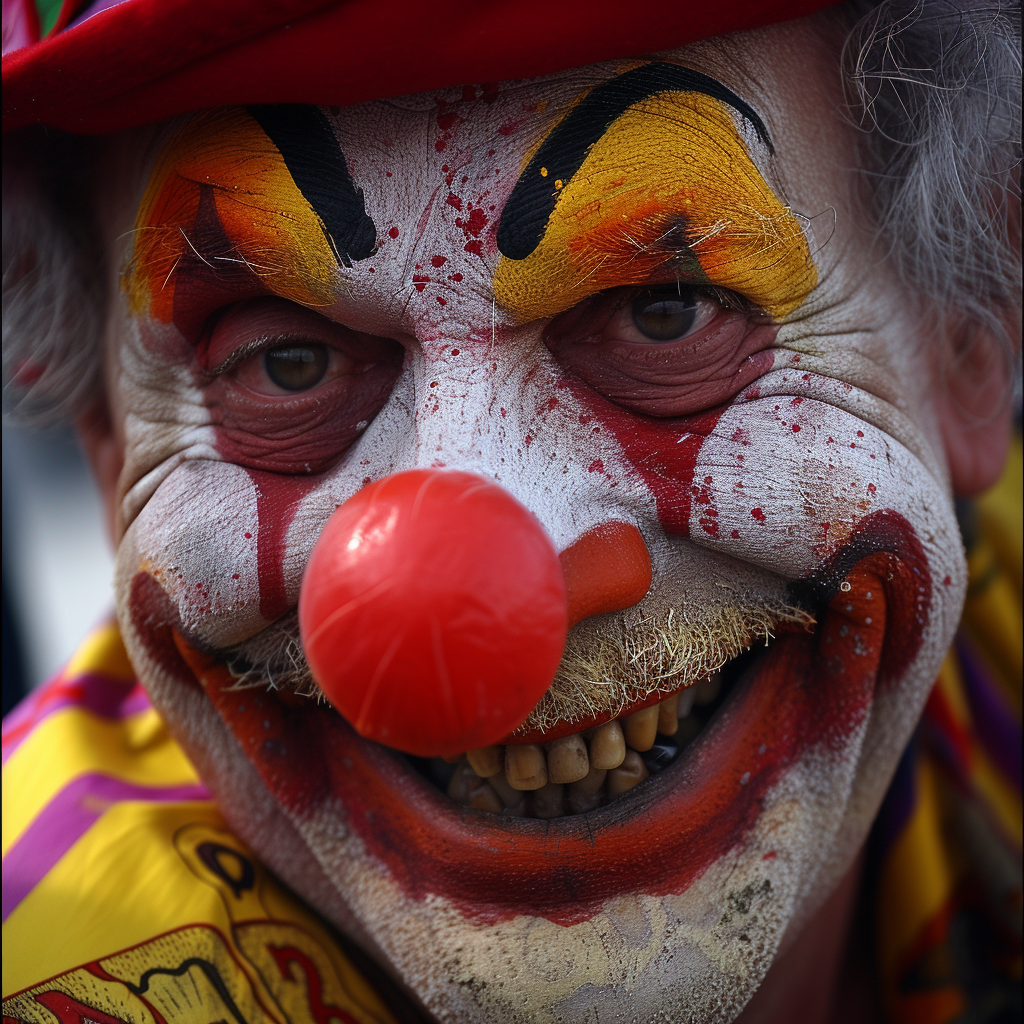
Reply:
x=114, y=64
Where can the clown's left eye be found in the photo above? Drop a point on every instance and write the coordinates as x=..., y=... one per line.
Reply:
x=664, y=314
x=667, y=350
x=296, y=367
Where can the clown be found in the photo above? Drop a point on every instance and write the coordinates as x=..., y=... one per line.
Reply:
x=533, y=499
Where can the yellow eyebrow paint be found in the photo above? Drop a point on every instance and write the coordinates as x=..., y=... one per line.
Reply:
x=267, y=225
x=669, y=190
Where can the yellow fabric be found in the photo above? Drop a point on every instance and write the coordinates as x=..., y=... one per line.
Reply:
x=156, y=910
x=948, y=888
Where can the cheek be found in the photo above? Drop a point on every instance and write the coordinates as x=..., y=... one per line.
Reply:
x=199, y=538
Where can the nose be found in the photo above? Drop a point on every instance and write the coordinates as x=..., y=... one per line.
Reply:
x=433, y=611
x=434, y=608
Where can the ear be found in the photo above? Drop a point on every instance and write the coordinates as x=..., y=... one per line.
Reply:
x=973, y=399
x=105, y=451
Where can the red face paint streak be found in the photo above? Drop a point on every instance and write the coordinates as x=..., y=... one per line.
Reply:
x=277, y=499
x=808, y=691
x=664, y=452
x=680, y=822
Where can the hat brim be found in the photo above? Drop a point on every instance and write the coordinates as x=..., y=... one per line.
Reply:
x=142, y=61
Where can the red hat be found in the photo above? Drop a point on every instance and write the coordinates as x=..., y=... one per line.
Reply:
x=112, y=64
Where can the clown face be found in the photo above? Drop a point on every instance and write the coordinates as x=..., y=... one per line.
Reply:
x=634, y=302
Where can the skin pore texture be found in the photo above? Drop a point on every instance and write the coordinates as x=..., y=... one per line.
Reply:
x=781, y=460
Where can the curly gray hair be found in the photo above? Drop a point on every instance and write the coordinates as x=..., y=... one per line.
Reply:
x=933, y=84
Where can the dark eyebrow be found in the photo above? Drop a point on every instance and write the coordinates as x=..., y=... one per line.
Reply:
x=561, y=154
x=303, y=136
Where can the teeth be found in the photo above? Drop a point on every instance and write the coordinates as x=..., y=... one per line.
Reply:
x=585, y=795
x=607, y=746
x=630, y=773
x=668, y=715
x=641, y=728
x=525, y=766
x=686, y=699
x=547, y=802
x=486, y=761
x=707, y=689
x=567, y=759
x=578, y=773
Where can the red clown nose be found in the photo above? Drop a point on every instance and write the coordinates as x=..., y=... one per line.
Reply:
x=433, y=612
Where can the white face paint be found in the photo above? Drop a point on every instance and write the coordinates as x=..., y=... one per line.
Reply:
x=766, y=467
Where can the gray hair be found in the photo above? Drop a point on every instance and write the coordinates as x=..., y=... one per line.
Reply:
x=934, y=85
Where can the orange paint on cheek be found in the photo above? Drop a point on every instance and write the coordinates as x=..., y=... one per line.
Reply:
x=269, y=226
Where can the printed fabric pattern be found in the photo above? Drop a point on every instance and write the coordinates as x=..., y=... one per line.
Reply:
x=125, y=896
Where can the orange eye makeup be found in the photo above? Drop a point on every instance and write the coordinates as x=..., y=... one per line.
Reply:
x=255, y=200
x=648, y=179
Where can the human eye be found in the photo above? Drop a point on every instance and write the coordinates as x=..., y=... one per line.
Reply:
x=667, y=350
x=290, y=389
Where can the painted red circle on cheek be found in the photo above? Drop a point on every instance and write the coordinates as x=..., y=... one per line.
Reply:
x=433, y=612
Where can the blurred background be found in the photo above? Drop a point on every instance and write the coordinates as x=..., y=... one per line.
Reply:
x=57, y=562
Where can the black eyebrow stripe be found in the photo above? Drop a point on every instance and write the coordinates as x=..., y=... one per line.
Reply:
x=529, y=207
x=303, y=136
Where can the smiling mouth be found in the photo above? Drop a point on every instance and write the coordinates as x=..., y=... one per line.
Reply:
x=584, y=770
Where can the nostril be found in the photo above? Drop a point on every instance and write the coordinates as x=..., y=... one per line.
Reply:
x=433, y=611
x=606, y=570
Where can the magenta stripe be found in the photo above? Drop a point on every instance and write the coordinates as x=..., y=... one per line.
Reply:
x=101, y=695
x=65, y=819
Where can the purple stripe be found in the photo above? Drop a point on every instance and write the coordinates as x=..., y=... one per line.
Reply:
x=65, y=819
x=997, y=728
x=112, y=699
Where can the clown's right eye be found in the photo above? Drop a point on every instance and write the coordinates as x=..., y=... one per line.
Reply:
x=296, y=367
x=289, y=389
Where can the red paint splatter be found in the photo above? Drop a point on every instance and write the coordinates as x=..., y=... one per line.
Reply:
x=770, y=855
x=758, y=514
x=946, y=581
x=597, y=466
x=735, y=535
x=455, y=277
x=871, y=488
x=476, y=222
x=454, y=200
x=440, y=301
x=796, y=428
x=510, y=126
x=476, y=247
x=393, y=233
x=438, y=261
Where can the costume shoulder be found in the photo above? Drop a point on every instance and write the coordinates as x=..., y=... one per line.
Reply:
x=125, y=896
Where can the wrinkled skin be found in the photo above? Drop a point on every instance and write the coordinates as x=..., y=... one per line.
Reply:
x=785, y=454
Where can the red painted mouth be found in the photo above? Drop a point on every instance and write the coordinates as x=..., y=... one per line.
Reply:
x=808, y=690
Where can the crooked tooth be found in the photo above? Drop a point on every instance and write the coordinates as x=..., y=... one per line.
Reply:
x=548, y=801
x=641, y=728
x=458, y=785
x=607, y=746
x=468, y=789
x=630, y=773
x=707, y=689
x=513, y=799
x=483, y=798
x=686, y=699
x=668, y=715
x=525, y=766
x=567, y=759
x=487, y=761
x=585, y=794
